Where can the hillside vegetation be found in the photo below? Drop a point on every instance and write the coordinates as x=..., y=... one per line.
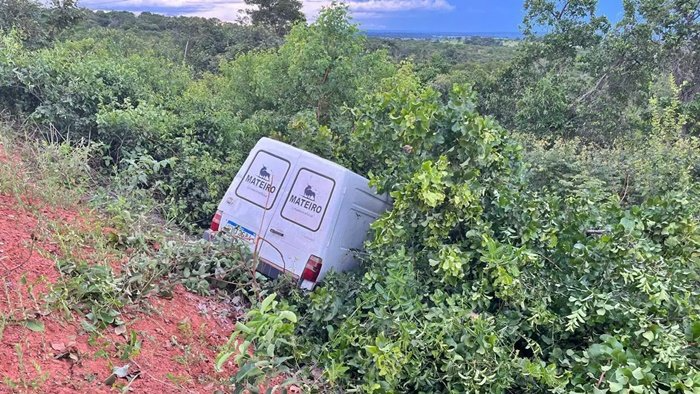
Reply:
x=545, y=232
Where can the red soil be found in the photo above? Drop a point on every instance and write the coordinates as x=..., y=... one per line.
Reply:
x=179, y=336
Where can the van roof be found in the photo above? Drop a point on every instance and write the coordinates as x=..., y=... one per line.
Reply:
x=265, y=141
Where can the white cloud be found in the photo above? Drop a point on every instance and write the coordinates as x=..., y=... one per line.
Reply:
x=226, y=11
x=399, y=5
x=229, y=10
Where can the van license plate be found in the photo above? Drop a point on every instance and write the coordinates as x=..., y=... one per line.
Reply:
x=241, y=232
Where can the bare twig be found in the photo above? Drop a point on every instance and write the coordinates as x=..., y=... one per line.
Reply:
x=595, y=88
x=11, y=270
x=596, y=231
x=126, y=388
x=143, y=372
x=600, y=379
x=627, y=184
x=560, y=14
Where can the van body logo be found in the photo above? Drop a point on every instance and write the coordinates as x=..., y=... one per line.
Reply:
x=309, y=193
x=307, y=201
x=264, y=174
x=262, y=181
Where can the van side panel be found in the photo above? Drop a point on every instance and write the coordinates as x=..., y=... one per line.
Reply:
x=359, y=208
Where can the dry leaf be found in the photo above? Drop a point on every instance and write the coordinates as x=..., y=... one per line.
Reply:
x=120, y=330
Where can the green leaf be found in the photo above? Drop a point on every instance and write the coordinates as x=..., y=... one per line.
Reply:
x=243, y=328
x=249, y=369
x=615, y=387
x=221, y=359
x=638, y=374
x=597, y=349
x=34, y=325
x=289, y=315
x=648, y=335
x=265, y=304
x=88, y=327
x=694, y=331
x=627, y=223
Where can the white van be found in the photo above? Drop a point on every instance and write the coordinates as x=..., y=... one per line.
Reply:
x=304, y=214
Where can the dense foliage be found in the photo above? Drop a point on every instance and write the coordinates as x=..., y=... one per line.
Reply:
x=589, y=78
x=280, y=15
x=545, y=233
x=475, y=283
x=441, y=63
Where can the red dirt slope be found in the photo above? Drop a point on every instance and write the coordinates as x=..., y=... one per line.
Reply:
x=178, y=338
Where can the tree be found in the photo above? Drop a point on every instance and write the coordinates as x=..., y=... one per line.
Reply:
x=600, y=73
x=280, y=15
x=307, y=82
x=23, y=15
x=63, y=14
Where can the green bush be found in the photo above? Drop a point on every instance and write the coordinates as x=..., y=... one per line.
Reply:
x=316, y=73
x=474, y=283
x=64, y=87
x=655, y=160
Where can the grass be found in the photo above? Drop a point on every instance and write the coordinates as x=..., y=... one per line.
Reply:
x=27, y=380
x=23, y=305
x=59, y=173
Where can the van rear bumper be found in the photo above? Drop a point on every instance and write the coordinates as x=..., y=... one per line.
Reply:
x=268, y=269
x=271, y=270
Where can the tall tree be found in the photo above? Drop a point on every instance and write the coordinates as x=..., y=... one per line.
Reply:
x=22, y=15
x=280, y=15
x=579, y=75
x=63, y=14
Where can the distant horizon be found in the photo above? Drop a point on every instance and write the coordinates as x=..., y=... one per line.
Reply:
x=466, y=33
x=427, y=35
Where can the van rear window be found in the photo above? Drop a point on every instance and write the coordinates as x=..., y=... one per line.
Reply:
x=263, y=178
x=308, y=199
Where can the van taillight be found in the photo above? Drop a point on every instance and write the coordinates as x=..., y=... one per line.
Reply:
x=313, y=267
x=216, y=221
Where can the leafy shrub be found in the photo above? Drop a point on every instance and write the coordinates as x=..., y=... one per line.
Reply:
x=267, y=331
x=55, y=89
x=205, y=265
x=319, y=70
x=473, y=283
x=544, y=110
x=646, y=164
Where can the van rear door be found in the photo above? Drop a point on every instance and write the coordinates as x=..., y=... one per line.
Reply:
x=250, y=200
x=300, y=226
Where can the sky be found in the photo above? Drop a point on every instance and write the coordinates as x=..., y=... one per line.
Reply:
x=430, y=16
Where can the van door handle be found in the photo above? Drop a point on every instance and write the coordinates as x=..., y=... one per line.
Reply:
x=276, y=232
